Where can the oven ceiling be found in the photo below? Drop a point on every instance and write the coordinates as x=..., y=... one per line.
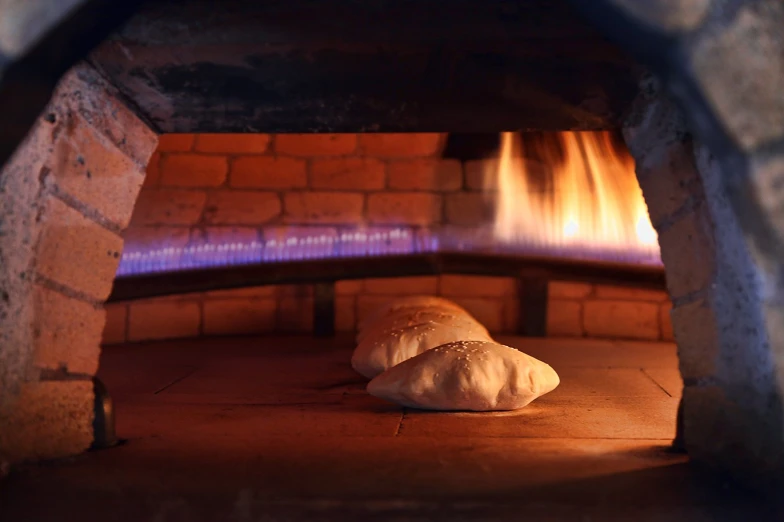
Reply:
x=367, y=65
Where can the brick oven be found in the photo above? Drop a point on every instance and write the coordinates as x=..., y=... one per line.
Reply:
x=211, y=201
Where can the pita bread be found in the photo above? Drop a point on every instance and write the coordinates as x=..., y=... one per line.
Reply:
x=466, y=376
x=411, y=316
x=390, y=347
x=409, y=302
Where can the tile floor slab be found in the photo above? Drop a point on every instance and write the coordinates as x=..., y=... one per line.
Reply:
x=605, y=382
x=549, y=416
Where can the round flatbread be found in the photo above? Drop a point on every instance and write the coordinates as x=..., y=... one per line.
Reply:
x=466, y=376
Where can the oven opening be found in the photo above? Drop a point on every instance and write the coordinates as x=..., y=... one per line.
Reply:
x=401, y=260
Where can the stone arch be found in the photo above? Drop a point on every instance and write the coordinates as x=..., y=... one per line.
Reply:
x=65, y=197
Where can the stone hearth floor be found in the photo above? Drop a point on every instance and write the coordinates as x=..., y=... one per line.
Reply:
x=280, y=429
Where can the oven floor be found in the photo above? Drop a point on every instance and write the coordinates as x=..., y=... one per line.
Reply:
x=280, y=428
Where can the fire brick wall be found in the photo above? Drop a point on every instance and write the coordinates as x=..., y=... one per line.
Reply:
x=252, y=187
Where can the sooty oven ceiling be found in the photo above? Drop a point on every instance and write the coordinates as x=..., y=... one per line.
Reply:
x=364, y=66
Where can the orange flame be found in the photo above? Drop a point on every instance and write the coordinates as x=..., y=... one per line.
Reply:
x=581, y=193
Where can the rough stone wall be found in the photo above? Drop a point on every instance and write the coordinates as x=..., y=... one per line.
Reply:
x=65, y=198
x=732, y=417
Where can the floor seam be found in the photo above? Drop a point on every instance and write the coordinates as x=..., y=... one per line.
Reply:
x=655, y=382
x=177, y=380
x=400, y=424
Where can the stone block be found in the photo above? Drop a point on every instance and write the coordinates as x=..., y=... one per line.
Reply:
x=90, y=169
x=250, y=143
x=163, y=319
x=345, y=313
x=348, y=287
x=83, y=91
x=469, y=209
x=488, y=311
x=326, y=208
x=564, y=290
x=176, y=142
x=295, y=314
x=168, y=207
x=564, y=318
x=688, y=253
x=116, y=328
x=476, y=286
x=268, y=172
x=350, y=173
x=666, y=322
x=152, y=176
x=193, y=170
x=739, y=67
x=143, y=238
x=48, y=420
x=628, y=293
x=236, y=293
x=669, y=180
x=76, y=252
x=312, y=145
x=401, y=145
x=481, y=175
x=367, y=304
x=67, y=332
x=394, y=286
x=621, y=319
x=232, y=207
x=695, y=329
x=247, y=315
x=425, y=174
x=409, y=208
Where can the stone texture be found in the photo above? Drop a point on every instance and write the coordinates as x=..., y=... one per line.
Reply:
x=115, y=330
x=347, y=174
x=688, y=252
x=268, y=172
x=193, y=170
x=564, y=318
x=480, y=174
x=239, y=316
x=489, y=312
x=345, y=313
x=629, y=293
x=231, y=207
x=48, y=420
x=348, y=287
x=667, y=15
x=77, y=252
x=394, y=286
x=88, y=167
x=559, y=289
x=295, y=314
x=666, y=322
x=20, y=204
x=250, y=143
x=136, y=238
x=168, y=207
x=477, y=286
x=152, y=176
x=621, y=319
x=67, y=333
x=323, y=207
x=411, y=208
x=469, y=209
x=401, y=145
x=425, y=174
x=176, y=142
x=315, y=144
x=163, y=319
x=740, y=69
